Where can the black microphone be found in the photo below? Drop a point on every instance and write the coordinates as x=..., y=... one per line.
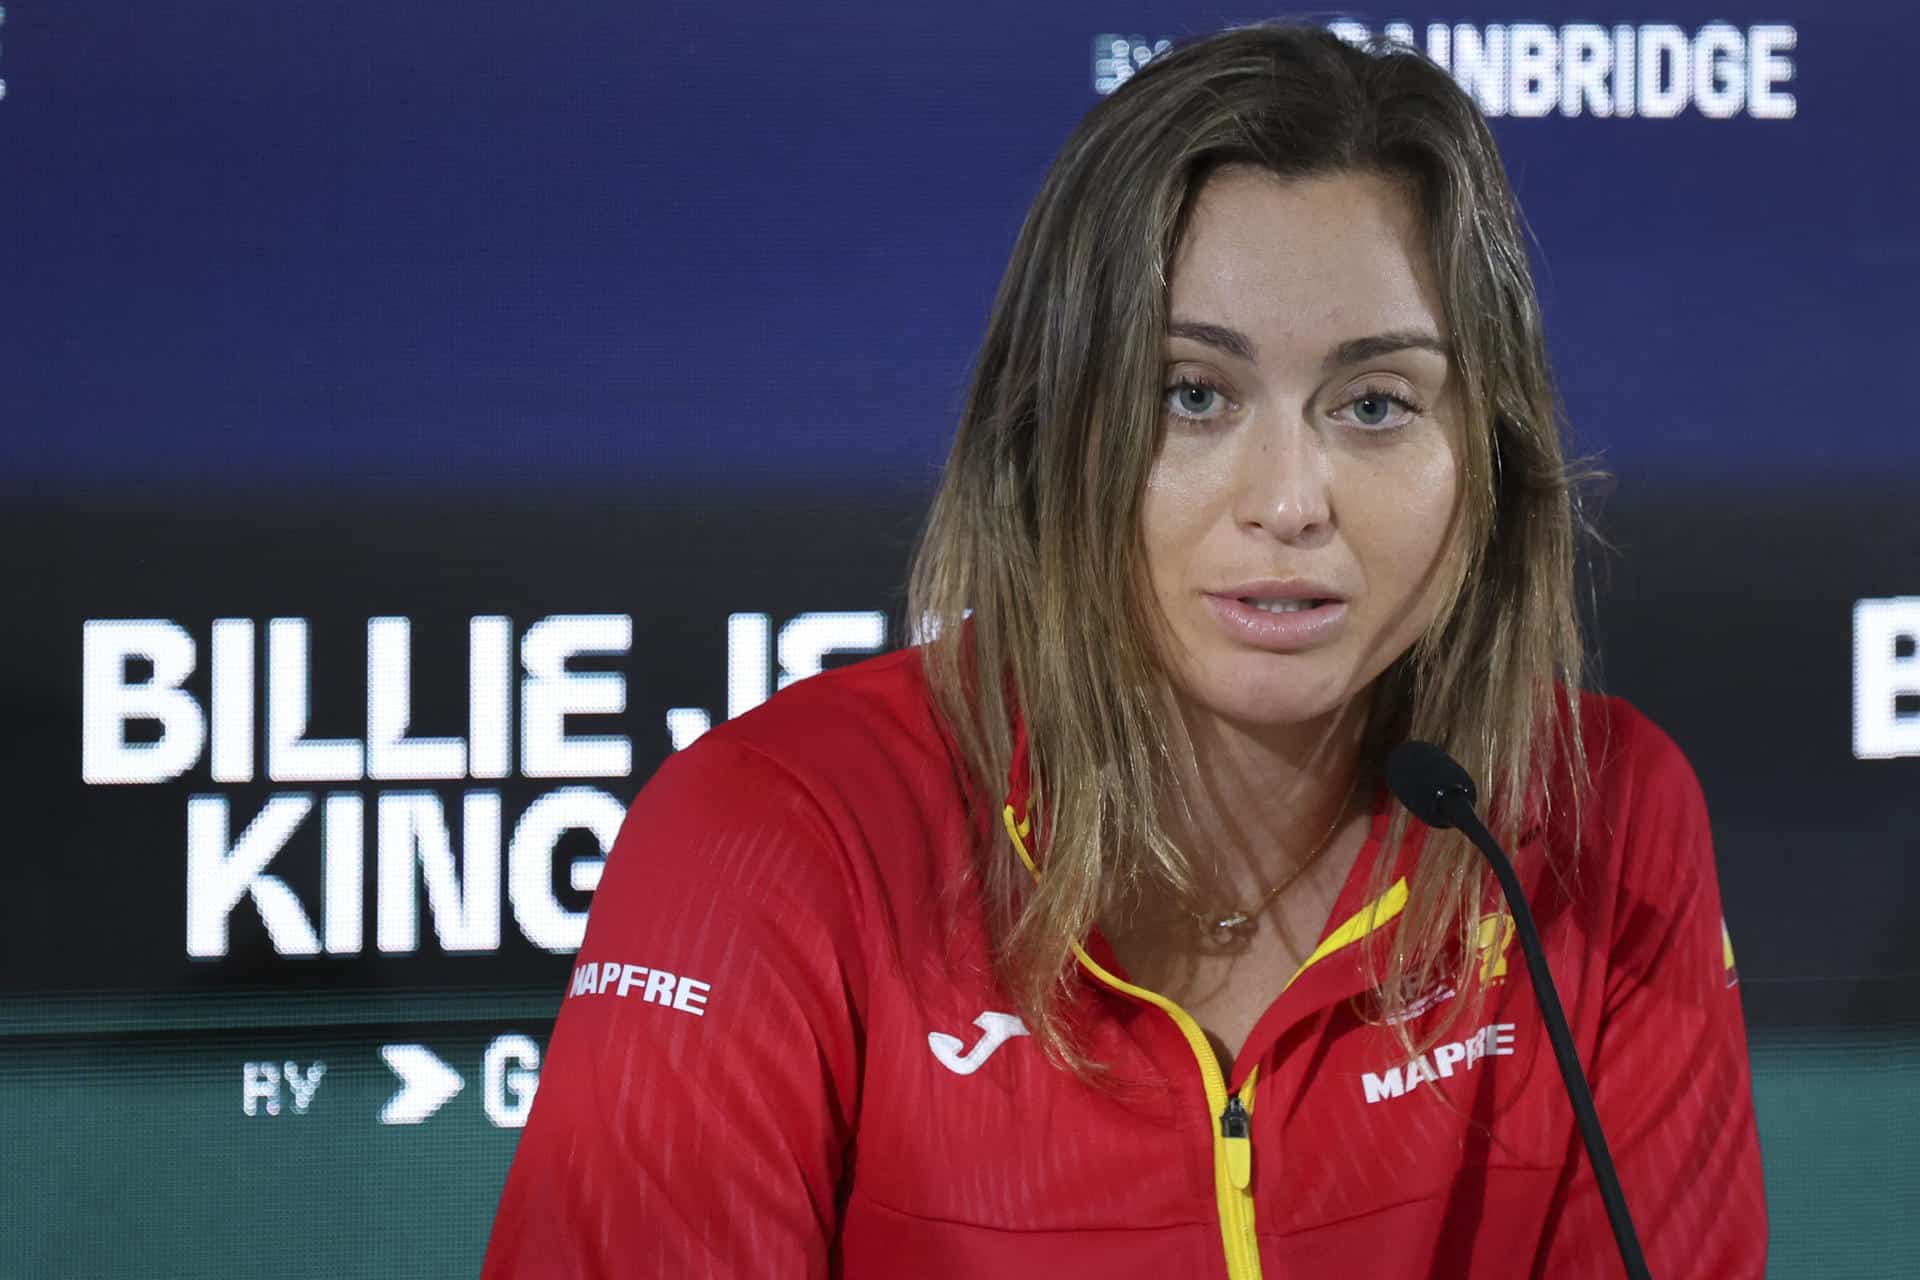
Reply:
x=1438, y=791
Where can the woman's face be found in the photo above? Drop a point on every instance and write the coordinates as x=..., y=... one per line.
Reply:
x=1297, y=514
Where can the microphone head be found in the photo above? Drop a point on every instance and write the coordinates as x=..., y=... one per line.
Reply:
x=1425, y=778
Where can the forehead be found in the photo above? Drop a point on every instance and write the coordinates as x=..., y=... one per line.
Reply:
x=1304, y=261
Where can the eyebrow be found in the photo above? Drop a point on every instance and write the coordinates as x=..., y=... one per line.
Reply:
x=1353, y=350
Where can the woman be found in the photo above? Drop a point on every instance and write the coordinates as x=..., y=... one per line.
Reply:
x=1084, y=939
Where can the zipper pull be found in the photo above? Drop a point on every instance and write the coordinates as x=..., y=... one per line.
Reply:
x=1236, y=1126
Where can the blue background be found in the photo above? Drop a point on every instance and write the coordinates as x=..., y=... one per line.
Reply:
x=620, y=247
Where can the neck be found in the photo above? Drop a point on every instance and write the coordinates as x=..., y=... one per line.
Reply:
x=1260, y=801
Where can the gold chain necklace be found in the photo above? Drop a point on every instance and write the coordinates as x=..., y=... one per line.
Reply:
x=1239, y=924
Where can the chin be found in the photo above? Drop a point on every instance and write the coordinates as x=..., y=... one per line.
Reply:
x=1268, y=691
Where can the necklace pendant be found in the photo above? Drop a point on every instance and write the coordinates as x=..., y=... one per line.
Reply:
x=1226, y=929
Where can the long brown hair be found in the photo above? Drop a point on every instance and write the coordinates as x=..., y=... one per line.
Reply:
x=1061, y=426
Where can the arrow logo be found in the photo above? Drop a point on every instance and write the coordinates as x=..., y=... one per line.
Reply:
x=425, y=1083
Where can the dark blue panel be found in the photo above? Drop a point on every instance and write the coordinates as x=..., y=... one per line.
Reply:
x=619, y=246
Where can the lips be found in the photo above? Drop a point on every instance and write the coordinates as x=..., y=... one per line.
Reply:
x=1293, y=605
x=1273, y=590
x=1279, y=616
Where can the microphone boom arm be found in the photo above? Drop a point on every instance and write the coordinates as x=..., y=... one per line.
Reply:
x=1458, y=806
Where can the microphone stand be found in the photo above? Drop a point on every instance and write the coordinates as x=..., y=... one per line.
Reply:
x=1457, y=805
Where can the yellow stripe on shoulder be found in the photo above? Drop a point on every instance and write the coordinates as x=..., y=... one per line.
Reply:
x=1359, y=925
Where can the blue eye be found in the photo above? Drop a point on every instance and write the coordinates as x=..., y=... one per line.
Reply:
x=1380, y=400
x=1191, y=397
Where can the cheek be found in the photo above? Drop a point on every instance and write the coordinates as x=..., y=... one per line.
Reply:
x=1412, y=516
x=1169, y=513
x=1435, y=506
x=1185, y=494
x=1436, y=499
x=1158, y=541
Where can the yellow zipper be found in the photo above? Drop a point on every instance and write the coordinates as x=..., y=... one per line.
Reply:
x=1231, y=1120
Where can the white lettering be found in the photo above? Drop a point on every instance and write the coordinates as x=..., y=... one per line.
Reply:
x=259, y=1088
x=111, y=701
x=1533, y=79
x=1480, y=65
x=147, y=671
x=1886, y=673
x=1586, y=55
x=652, y=985
x=489, y=694
x=108, y=701
x=691, y=997
x=530, y=862
x=1113, y=61
x=803, y=647
x=390, y=753
x=1491, y=1040
x=1387, y=1086
x=302, y=1084
x=685, y=725
x=1767, y=68
x=1664, y=73
x=1531, y=69
x=413, y=847
x=806, y=641
x=749, y=680
x=550, y=693
x=231, y=700
x=1719, y=71
x=219, y=875
x=511, y=1073
x=1624, y=53
x=749, y=662
x=465, y=905
x=291, y=756
x=343, y=821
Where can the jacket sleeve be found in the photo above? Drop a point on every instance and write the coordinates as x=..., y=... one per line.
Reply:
x=1670, y=1070
x=695, y=1098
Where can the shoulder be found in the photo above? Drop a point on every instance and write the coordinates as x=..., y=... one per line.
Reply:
x=836, y=807
x=1643, y=817
x=1630, y=759
x=845, y=731
x=789, y=810
x=847, y=755
x=883, y=698
x=1648, y=871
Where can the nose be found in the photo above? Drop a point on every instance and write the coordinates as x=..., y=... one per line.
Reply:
x=1283, y=483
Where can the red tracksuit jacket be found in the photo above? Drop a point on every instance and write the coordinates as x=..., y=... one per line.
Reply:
x=783, y=1052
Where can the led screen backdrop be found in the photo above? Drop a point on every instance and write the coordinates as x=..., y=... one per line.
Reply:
x=420, y=419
